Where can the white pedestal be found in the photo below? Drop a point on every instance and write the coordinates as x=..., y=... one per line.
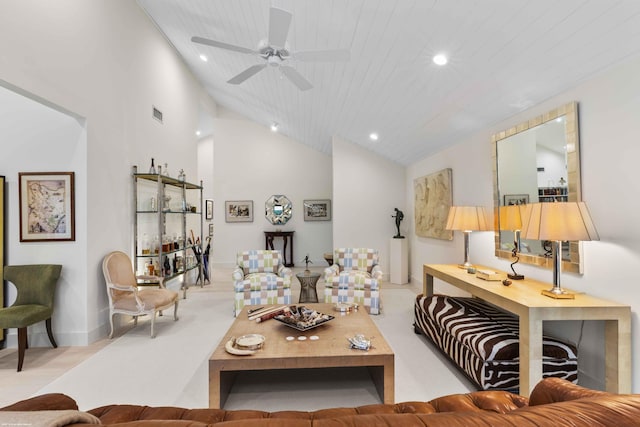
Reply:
x=399, y=261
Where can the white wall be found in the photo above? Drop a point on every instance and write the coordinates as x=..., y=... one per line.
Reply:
x=35, y=138
x=105, y=61
x=608, y=109
x=365, y=193
x=252, y=163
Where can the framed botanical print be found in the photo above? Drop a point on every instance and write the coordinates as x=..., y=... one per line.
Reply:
x=47, y=211
x=208, y=209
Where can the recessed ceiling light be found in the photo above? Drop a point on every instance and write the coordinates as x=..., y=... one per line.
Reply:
x=440, y=59
x=373, y=136
x=204, y=57
x=274, y=127
x=197, y=133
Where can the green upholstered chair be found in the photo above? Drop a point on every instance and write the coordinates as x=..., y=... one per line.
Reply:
x=36, y=286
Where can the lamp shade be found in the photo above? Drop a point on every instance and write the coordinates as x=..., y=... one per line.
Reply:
x=511, y=217
x=559, y=222
x=468, y=218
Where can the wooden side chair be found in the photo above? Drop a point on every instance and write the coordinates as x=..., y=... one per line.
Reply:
x=36, y=286
x=126, y=298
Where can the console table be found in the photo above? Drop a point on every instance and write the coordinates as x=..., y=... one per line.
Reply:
x=524, y=299
x=287, y=237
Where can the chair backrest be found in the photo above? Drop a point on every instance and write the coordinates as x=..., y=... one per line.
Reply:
x=361, y=259
x=117, y=269
x=35, y=283
x=259, y=261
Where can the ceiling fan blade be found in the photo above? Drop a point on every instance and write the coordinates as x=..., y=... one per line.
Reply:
x=222, y=45
x=254, y=69
x=341, y=55
x=295, y=77
x=279, y=21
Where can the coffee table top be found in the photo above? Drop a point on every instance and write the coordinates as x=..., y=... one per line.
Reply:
x=331, y=348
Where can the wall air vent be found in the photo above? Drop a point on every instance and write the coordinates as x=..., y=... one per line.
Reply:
x=157, y=114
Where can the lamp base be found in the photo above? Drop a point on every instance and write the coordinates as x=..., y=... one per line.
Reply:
x=558, y=295
x=466, y=265
x=515, y=276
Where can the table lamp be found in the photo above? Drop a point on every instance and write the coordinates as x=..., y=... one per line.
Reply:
x=558, y=222
x=510, y=219
x=467, y=219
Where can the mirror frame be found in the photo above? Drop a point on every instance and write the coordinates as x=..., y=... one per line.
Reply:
x=570, y=112
x=269, y=209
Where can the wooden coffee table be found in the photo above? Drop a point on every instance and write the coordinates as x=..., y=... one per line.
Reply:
x=330, y=350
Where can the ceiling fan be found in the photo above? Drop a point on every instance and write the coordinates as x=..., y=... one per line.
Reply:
x=274, y=51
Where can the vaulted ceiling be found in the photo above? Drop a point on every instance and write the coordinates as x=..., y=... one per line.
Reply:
x=504, y=56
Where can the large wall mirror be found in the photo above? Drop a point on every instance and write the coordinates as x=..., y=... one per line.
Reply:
x=538, y=161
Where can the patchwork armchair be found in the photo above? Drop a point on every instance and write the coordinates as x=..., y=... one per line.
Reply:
x=36, y=286
x=354, y=278
x=260, y=277
x=126, y=298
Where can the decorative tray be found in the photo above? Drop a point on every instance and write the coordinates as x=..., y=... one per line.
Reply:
x=303, y=319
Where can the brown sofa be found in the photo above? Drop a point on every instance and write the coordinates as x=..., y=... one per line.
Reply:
x=554, y=402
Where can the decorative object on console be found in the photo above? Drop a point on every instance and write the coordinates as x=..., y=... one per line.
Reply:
x=277, y=209
x=467, y=219
x=317, y=210
x=238, y=211
x=510, y=219
x=558, y=222
x=399, y=216
x=432, y=200
x=47, y=210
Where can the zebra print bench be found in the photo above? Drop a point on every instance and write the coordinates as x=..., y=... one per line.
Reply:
x=482, y=341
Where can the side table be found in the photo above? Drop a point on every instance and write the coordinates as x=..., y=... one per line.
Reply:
x=308, y=283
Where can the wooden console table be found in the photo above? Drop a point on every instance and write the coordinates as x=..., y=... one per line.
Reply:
x=523, y=298
x=287, y=236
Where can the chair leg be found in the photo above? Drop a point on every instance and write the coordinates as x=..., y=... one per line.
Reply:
x=50, y=333
x=153, y=322
x=22, y=345
x=175, y=311
x=111, y=323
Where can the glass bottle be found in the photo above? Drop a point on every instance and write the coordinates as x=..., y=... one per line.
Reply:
x=167, y=266
x=152, y=169
x=146, y=249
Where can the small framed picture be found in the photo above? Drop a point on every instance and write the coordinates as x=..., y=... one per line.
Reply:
x=516, y=199
x=208, y=209
x=317, y=210
x=47, y=211
x=238, y=211
x=210, y=230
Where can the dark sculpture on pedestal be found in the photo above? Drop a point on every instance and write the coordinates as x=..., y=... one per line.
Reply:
x=399, y=216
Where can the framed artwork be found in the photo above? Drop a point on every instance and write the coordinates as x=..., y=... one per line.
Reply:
x=210, y=230
x=238, y=211
x=46, y=206
x=317, y=210
x=208, y=209
x=432, y=201
x=516, y=199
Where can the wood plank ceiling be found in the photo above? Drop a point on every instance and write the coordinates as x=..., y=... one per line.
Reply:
x=504, y=56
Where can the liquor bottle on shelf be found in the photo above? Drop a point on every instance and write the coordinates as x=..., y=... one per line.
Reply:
x=146, y=248
x=167, y=266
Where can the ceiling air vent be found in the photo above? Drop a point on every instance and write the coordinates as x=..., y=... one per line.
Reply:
x=157, y=114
